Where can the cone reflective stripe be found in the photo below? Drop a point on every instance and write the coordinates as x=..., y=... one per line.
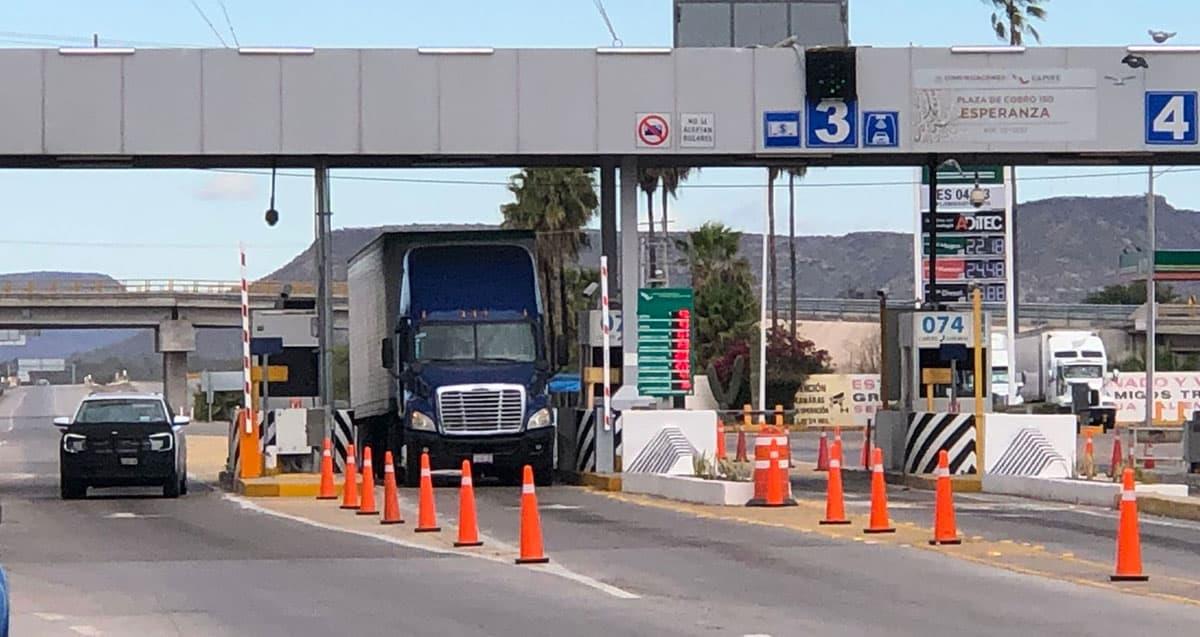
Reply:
x=468, y=525
x=944, y=531
x=741, y=447
x=835, y=502
x=823, y=453
x=350, y=484
x=1129, y=544
x=328, y=490
x=879, y=522
x=426, y=509
x=367, y=479
x=391, y=495
x=531, y=523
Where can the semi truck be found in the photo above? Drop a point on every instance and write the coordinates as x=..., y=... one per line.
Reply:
x=1001, y=370
x=1054, y=361
x=447, y=352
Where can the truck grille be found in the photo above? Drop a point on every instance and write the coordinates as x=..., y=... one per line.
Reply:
x=466, y=409
x=107, y=445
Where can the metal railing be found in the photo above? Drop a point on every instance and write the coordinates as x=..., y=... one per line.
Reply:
x=1034, y=312
x=50, y=287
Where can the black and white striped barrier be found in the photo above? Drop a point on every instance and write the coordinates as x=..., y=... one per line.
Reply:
x=585, y=439
x=344, y=435
x=929, y=433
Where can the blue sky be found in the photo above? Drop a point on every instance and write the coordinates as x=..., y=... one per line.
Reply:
x=186, y=224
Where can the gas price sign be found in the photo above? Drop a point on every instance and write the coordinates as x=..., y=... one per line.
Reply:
x=664, y=329
x=971, y=248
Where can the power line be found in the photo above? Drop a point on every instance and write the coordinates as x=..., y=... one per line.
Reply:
x=211, y=26
x=229, y=23
x=43, y=38
x=801, y=185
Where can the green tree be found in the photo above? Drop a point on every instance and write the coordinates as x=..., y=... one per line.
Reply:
x=1131, y=294
x=1164, y=361
x=726, y=309
x=556, y=203
x=792, y=361
x=577, y=279
x=1011, y=19
x=794, y=173
x=670, y=179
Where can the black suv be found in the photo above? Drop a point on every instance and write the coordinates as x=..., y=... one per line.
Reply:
x=122, y=440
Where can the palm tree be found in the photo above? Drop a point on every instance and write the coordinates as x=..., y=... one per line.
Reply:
x=772, y=280
x=556, y=203
x=671, y=178
x=648, y=182
x=793, y=173
x=1011, y=18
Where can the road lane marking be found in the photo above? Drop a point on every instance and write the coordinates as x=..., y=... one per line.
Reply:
x=50, y=617
x=127, y=515
x=551, y=569
x=88, y=631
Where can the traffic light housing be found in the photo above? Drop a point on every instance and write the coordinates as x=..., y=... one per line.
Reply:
x=830, y=73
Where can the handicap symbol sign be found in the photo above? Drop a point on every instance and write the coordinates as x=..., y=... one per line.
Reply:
x=781, y=129
x=881, y=129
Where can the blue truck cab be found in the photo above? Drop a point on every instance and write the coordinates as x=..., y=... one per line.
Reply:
x=448, y=352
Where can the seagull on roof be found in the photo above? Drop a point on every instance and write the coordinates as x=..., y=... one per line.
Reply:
x=1160, y=36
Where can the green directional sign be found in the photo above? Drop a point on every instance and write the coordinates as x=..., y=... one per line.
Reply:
x=953, y=246
x=969, y=175
x=664, y=333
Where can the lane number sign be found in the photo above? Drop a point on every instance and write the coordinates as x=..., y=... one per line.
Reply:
x=832, y=124
x=1171, y=117
x=942, y=328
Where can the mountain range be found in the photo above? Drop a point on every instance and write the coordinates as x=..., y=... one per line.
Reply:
x=1067, y=247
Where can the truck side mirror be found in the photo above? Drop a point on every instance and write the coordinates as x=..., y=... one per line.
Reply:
x=386, y=354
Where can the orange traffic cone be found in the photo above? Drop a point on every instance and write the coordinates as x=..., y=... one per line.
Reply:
x=391, y=495
x=835, y=502
x=741, y=447
x=367, y=478
x=1148, y=456
x=879, y=522
x=350, y=484
x=720, y=440
x=1115, y=464
x=531, y=523
x=328, y=490
x=837, y=440
x=1129, y=545
x=426, y=509
x=468, y=525
x=823, y=454
x=776, y=491
x=1089, y=458
x=864, y=455
x=944, y=531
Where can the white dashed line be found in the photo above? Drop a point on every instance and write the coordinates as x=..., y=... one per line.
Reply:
x=89, y=631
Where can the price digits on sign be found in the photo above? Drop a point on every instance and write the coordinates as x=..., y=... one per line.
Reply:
x=990, y=269
x=984, y=246
x=681, y=349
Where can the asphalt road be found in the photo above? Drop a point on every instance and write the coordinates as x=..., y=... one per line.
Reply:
x=127, y=563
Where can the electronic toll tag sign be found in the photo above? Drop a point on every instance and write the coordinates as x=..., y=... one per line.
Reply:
x=664, y=333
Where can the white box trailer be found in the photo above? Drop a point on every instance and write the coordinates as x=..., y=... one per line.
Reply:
x=1052, y=361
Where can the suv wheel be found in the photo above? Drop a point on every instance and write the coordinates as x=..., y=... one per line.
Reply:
x=72, y=490
x=172, y=488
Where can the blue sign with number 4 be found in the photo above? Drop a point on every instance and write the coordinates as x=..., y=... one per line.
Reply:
x=1171, y=117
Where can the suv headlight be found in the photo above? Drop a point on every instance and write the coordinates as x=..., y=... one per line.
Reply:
x=422, y=422
x=540, y=418
x=162, y=442
x=74, y=443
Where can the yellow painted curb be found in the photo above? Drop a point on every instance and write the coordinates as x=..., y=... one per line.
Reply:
x=601, y=481
x=1171, y=507
x=287, y=485
x=961, y=484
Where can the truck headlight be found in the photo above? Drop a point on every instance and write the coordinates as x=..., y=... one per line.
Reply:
x=540, y=418
x=421, y=422
x=162, y=442
x=74, y=443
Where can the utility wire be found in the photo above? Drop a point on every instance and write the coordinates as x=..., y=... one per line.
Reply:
x=229, y=23
x=608, y=23
x=42, y=38
x=801, y=185
x=204, y=17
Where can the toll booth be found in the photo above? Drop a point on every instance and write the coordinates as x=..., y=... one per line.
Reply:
x=937, y=361
x=296, y=334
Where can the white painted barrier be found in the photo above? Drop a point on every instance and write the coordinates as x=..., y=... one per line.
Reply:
x=1086, y=492
x=688, y=488
x=1035, y=445
x=666, y=440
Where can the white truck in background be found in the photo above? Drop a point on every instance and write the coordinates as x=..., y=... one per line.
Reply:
x=1001, y=370
x=1053, y=360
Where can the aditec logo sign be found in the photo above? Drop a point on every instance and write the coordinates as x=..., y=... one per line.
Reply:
x=966, y=221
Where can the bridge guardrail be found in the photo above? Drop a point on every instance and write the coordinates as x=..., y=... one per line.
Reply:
x=161, y=286
x=1062, y=312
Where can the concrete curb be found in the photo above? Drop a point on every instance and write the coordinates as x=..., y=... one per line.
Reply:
x=1087, y=492
x=1170, y=507
x=598, y=481
x=689, y=489
x=288, y=485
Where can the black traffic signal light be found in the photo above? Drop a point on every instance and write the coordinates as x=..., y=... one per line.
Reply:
x=830, y=74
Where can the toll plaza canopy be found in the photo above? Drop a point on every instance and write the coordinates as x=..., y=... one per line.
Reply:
x=476, y=107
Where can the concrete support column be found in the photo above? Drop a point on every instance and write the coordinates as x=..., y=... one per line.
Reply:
x=608, y=229
x=324, y=291
x=174, y=339
x=630, y=271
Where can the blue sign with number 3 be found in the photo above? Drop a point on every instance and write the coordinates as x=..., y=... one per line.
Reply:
x=832, y=124
x=1171, y=117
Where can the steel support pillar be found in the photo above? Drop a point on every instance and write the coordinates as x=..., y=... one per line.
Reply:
x=324, y=268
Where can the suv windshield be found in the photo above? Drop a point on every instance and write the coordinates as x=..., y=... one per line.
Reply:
x=482, y=341
x=121, y=411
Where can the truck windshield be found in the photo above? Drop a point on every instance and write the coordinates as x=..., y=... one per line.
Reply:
x=999, y=374
x=120, y=411
x=1082, y=372
x=482, y=341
